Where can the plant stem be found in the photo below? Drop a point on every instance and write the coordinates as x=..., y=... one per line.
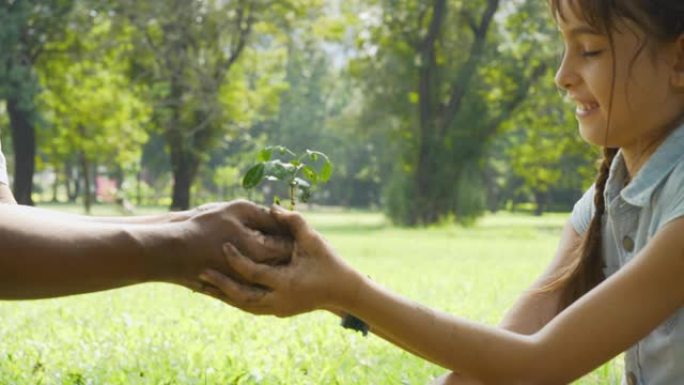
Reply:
x=292, y=196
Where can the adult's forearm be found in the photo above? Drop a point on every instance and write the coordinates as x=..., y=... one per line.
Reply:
x=47, y=256
x=132, y=220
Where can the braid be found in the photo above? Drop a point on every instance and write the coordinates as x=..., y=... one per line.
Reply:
x=586, y=271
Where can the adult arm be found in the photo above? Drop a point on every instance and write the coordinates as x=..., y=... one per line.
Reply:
x=581, y=338
x=170, y=217
x=45, y=255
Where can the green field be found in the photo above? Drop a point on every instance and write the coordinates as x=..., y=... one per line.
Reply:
x=161, y=334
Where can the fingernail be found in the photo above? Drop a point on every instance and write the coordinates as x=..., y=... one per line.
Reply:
x=204, y=277
x=229, y=250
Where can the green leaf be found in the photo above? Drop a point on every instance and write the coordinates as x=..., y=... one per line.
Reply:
x=310, y=174
x=280, y=170
x=265, y=154
x=301, y=183
x=326, y=171
x=283, y=150
x=304, y=193
x=254, y=176
x=315, y=154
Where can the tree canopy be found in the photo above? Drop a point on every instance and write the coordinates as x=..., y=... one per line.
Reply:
x=432, y=110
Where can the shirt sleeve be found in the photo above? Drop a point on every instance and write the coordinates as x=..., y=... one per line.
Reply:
x=673, y=195
x=3, y=168
x=583, y=212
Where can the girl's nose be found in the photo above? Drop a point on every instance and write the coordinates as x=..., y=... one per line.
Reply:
x=566, y=78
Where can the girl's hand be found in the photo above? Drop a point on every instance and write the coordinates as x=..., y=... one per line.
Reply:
x=315, y=278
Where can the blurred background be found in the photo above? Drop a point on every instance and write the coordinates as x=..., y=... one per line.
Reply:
x=431, y=111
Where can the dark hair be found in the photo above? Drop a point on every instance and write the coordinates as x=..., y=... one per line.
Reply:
x=662, y=21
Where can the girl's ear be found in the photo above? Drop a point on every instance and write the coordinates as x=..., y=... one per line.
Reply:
x=678, y=70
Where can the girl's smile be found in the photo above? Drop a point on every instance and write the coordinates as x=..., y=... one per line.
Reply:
x=586, y=109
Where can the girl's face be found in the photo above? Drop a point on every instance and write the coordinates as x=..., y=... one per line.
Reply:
x=646, y=94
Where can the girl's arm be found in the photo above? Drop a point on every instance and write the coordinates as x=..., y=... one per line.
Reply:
x=533, y=309
x=605, y=322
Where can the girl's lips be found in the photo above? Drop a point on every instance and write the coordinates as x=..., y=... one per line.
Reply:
x=585, y=109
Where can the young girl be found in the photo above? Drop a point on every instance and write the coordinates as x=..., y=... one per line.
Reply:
x=617, y=281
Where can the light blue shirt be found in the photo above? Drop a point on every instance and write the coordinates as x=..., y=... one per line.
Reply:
x=634, y=214
x=3, y=168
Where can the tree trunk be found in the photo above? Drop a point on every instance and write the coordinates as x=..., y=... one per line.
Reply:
x=540, y=198
x=184, y=165
x=55, y=186
x=85, y=170
x=24, y=144
x=426, y=205
x=184, y=171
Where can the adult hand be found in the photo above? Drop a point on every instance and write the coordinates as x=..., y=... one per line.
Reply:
x=315, y=278
x=200, y=236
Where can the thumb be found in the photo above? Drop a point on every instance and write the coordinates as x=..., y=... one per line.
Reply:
x=292, y=221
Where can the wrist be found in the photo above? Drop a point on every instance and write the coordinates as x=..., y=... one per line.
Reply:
x=347, y=304
x=346, y=299
x=158, y=245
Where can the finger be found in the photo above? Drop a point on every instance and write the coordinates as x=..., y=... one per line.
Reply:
x=261, y=247
x=239, y=295
x=211, y=291
x=249, y=270
x=293, y=221
x=258, y=218
x=215, y=293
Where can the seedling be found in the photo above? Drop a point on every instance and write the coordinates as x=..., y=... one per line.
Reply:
x=297, y=172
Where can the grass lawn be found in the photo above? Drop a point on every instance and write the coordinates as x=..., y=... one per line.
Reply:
x=161, y=334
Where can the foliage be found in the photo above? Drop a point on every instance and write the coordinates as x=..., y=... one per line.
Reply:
x=433, y=111
x=447, y=73
x=25, y=28
x=294, y=173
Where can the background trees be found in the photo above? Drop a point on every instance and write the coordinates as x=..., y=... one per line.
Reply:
x=432, y=110
x=26, y=27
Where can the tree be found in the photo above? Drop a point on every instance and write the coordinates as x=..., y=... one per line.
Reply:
x=544, y=149
x=448, y=74
x=26, y=26
x=186, y=52
x=91, y=109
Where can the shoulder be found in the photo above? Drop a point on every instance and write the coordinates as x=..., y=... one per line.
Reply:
x=583, y=211
x=670, y=200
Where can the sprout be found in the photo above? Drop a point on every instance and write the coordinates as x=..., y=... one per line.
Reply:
x=298, y=171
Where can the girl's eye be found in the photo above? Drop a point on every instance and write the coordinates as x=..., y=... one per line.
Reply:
x=592, y=53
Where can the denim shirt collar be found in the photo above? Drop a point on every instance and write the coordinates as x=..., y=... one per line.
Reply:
x=657, y=168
